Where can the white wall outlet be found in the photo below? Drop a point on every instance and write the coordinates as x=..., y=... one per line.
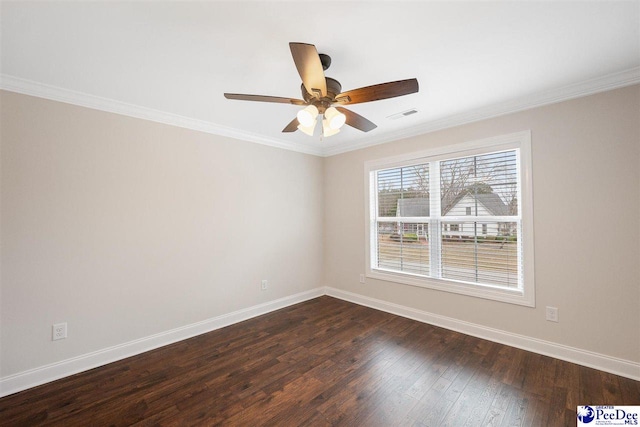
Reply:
x=552, y=314
x=264, y=285
x=361, y=278
x=59, y=331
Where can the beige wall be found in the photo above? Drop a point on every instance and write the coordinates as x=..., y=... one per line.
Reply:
x=586, y=182
x=125, y=228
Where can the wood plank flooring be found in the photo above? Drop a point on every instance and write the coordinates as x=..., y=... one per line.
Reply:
x=324, y=362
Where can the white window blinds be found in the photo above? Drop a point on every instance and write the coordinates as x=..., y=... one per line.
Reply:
x=403, y=219
x=456, y=219
x=480, y=219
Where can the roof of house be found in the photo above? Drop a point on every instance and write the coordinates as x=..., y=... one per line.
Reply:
x=491, y=201
x=419, y=206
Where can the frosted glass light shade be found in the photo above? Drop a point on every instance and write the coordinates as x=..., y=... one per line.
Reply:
x=308, y=129
x=335, y=118
x=326, y=129
x=306, y=116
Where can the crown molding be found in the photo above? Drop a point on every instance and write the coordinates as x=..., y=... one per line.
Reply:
x=576, y=90
x=54, y=93
x=565, y=93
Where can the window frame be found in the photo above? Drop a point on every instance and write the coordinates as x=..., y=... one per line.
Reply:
x=519, y=140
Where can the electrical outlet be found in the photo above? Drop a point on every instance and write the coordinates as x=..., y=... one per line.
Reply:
x=264, y=285
x=361, y=278
x=59, y=331
x=552, y=314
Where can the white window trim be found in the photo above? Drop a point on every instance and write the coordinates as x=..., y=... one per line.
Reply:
x=521, y=140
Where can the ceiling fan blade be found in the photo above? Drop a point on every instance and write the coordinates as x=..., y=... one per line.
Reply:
x=309, y=67
x=292, y=127
x=356, y=120
x=264, y=98
x=377, y=92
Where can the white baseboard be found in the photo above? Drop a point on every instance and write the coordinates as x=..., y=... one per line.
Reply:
x=44, y=374
x=625, y=368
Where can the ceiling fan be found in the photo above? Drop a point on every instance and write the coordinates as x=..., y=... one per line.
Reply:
x=323, y=95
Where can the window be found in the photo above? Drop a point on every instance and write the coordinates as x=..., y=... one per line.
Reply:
x=458, y=219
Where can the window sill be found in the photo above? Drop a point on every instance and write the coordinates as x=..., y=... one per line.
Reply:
x=511, y=296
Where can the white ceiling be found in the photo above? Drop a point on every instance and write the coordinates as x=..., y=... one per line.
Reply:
x=172, y=61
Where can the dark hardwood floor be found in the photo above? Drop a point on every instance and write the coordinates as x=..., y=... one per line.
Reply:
x=324, y=362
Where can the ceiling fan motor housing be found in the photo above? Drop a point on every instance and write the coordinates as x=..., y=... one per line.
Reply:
x=322, y=103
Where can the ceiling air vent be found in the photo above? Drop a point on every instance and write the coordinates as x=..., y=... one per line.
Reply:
x=402, y=114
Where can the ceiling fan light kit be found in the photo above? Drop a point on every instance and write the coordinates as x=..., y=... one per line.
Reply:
x=331, y=124
x=323, y=95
